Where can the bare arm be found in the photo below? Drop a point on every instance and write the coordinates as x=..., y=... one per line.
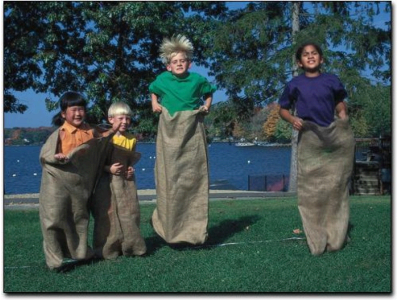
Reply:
x=207, y=103
x=296, y=122
x=341, y=110
x=154, y=103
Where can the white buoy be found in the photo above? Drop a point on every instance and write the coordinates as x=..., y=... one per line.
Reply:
x=14, y=175
x=34, y=174
x=248, y=161
x=17, y=160
x=143, y=169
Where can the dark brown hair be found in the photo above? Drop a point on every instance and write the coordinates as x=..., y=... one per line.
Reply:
x=68, y=99
x=301, y=48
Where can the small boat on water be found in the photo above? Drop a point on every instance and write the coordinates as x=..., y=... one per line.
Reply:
x=244, y=144
x=260, y=144
x=266, y=144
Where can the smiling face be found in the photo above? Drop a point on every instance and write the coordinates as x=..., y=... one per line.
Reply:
x=74, y=115
x=310, y=60
x=179, y=64
x=124, y=120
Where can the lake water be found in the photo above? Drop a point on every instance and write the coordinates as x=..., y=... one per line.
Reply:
x=230, y=166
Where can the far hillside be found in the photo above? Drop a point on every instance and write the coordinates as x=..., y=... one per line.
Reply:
x=26, y=136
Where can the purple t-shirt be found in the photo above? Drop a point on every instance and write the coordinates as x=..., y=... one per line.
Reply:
x=315, y=98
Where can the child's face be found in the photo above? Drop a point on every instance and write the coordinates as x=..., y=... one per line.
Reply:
x=74, y=115
x=310, y=59
x=179, y=64
x=124, y=120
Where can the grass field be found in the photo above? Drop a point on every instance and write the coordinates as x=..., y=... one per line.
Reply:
x=251, y=248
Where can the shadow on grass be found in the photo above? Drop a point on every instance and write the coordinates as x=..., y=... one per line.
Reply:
x=154, y=243
x=218, y=234
x=228, y=228
x=70, y=266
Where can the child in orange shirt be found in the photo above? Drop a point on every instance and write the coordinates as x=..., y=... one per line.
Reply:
x=70, y=159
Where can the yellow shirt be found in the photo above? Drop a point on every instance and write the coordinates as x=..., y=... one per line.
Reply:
x=71, y=136
x=127, y=141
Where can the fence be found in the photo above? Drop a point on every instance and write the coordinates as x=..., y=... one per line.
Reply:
x=269, y=183
x=372, y=167
x=372, y=170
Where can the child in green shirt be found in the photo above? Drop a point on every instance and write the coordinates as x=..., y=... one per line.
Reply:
x=181, y=171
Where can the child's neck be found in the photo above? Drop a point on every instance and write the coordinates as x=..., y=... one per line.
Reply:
x=312, y=74
x=181, y=76
x=118, y=133
x=73, y=125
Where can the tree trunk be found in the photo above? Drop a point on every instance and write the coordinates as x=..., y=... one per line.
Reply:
x=295, y=134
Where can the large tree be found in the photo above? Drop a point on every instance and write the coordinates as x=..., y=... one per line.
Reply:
x=109, y=50
x=252, y=48
x=106, y=50
x=252, y=57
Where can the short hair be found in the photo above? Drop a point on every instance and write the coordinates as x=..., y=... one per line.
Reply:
x=301, y=48
x=71, y=98
x=119, y=108
x=68, y=99
x=171, y=47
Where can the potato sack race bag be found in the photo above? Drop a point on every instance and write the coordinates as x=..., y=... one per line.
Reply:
x=182, y=178
x=325, y=165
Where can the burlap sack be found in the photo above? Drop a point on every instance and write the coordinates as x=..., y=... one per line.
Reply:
x=63, y=202
x=325, y=164
x=116, y=211
x=182, y=178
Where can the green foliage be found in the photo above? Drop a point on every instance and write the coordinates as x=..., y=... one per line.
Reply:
x=253, y=50
x=251, y=248
x=370, y=111
x=248, y=52
x=221, y=120
x=109, y=52
x=283, y=133
x=106, y=50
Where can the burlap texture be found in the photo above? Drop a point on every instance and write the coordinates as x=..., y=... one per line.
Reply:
x=182, y=178
x=116, y=211
x=63, y=201
x=325, y=164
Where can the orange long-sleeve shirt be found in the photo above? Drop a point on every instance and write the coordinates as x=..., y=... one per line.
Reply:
x=71, y=136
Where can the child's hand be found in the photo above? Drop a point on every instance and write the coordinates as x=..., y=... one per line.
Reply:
x=61, y=157
x=204, y=109
x=129, y=173
x=115, y=127
x=297, y=123
x=116, y=169
x=157, y=108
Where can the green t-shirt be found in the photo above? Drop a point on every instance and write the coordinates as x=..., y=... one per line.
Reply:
x=179, y=94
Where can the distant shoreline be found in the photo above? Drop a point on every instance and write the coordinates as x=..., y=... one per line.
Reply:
x=142, y=142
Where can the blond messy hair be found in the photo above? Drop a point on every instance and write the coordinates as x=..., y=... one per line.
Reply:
x=119, y=108
x=171, y=47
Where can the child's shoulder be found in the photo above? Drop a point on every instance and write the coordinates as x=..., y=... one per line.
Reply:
x=196, y=75
x=130, y=136
x=330, y=78
x=164, y=74
x=330, y=75
x=297, y=80
x=124, y=136
x=300, y=79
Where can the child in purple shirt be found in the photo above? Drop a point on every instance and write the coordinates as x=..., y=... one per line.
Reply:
x=325, y=150
x=315, y=95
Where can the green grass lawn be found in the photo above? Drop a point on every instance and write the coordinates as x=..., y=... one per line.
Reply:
x=251, y=248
